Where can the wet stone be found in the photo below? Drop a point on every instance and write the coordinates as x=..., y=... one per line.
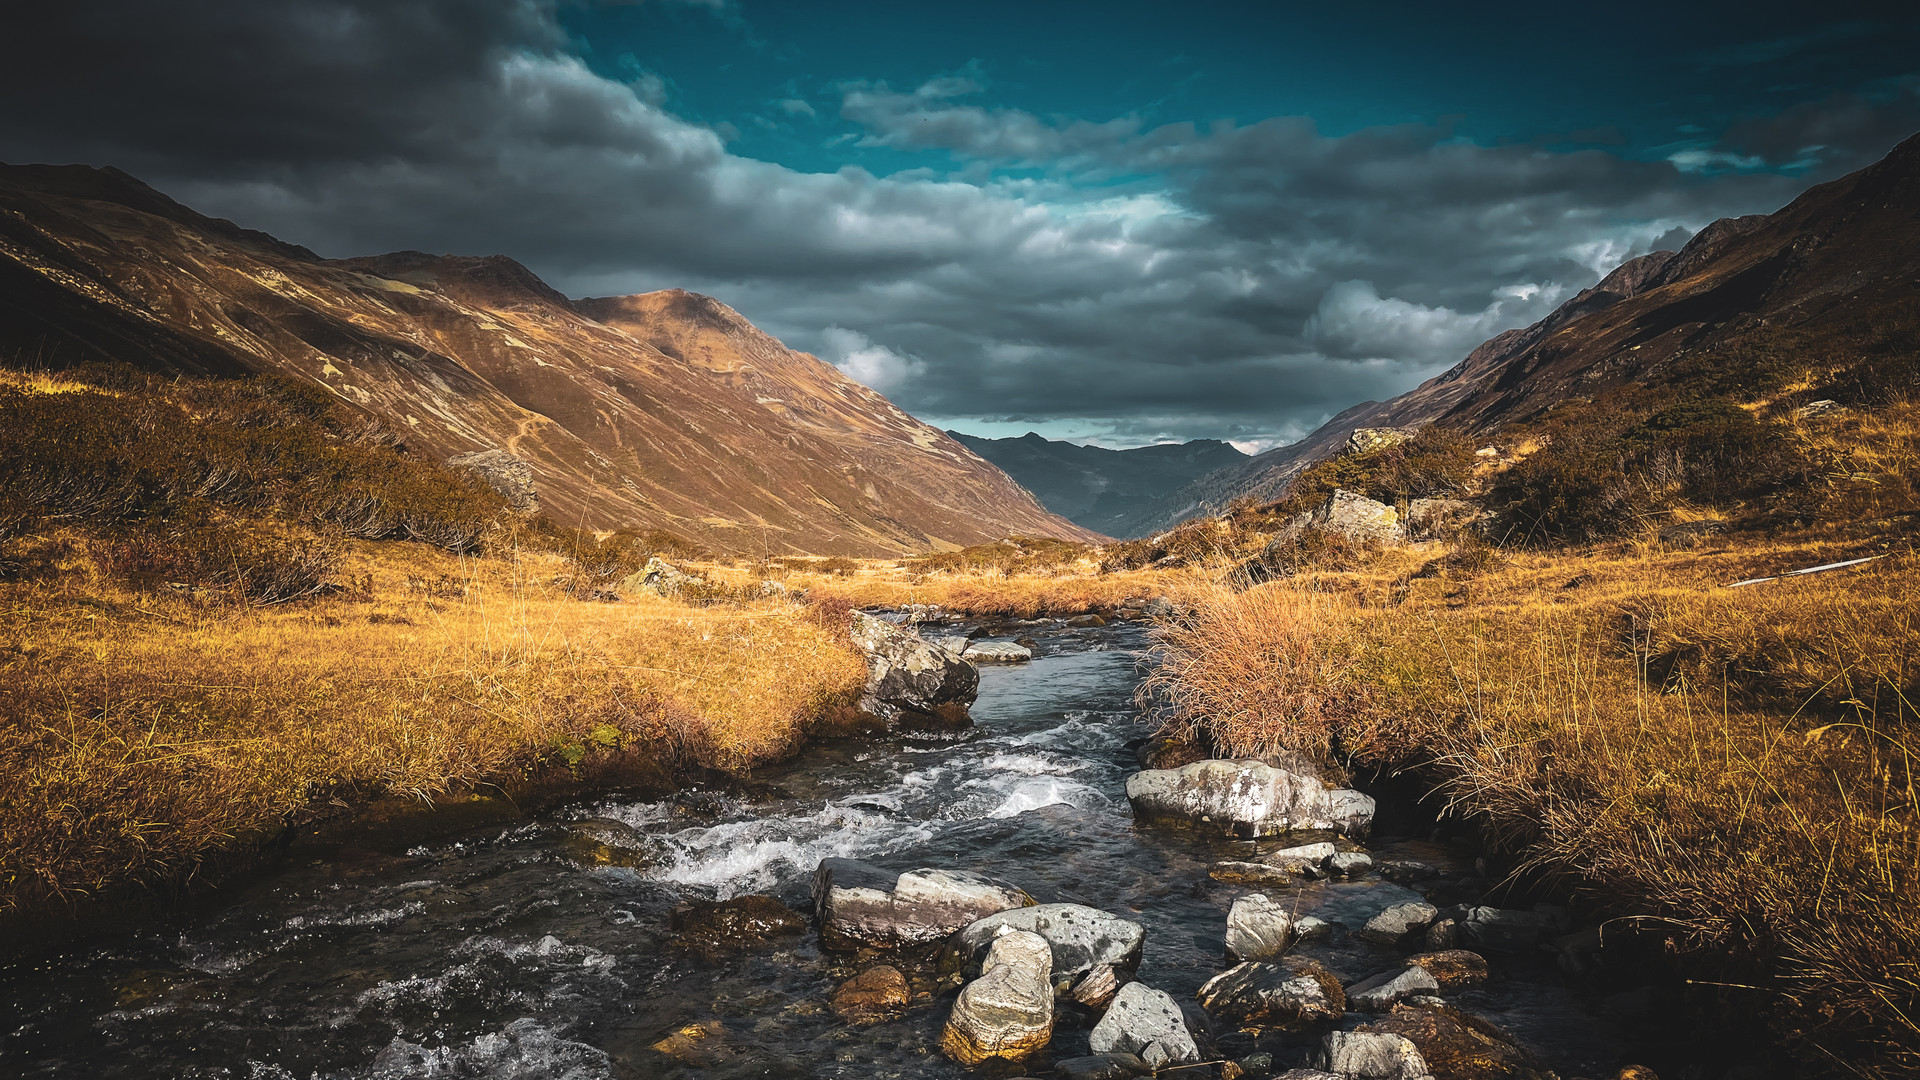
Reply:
x=1405, y=871
x=1456, y=1045
x=1257, y=928
x=1372, y=1056
x=1146, y=1022
x=1246, y=799
x=1350, y=863
x=742, y=921
x=859, y=904
x=876, y=994
x=1452, y=968
x=1008, y=1011
x=1507, y=930
x=1248, y=873
x=1102, y=1067
x=1388, y=988
x=1081, y=938
x=1398, y=921
x=1292, y=994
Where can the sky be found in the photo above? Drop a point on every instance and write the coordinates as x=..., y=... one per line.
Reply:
x=1119, y=223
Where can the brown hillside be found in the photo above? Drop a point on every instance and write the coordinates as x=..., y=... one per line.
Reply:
x=1830, y=281
x=673, y=413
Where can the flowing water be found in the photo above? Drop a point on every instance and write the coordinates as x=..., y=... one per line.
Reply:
x=504, y=953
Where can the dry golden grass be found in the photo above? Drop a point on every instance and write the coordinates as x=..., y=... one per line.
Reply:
x=1736, y=764
x=141, y=733
x=1066, y=591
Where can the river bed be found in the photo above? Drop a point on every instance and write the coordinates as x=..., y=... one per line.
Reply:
x=506, y=953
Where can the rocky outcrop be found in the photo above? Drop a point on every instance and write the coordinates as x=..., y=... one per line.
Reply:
x=1356, y=517
x=511, y=476
x=1257, y=929
x=1289, y=994
x=662, y=578
x=911, y=679
x=1368, y=439
x=1008, y=1011
x=876, y=994
x=1082, y=939
x=1146, y=1022
x=1247, y=799
x=860, y=905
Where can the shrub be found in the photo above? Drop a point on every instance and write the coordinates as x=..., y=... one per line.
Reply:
x=1436, y=462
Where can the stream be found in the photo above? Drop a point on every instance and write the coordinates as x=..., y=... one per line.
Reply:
x=509, y=952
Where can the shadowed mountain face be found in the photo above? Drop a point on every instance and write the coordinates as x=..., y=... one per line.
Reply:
x=1834, y=276
x=667, y=410
x=1096, y=487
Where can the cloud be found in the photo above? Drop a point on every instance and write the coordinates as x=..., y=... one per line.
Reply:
x=861, y=360
x=1130, y=281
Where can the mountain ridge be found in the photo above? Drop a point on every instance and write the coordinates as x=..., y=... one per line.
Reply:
x=1094, y=486
x=465, y=353
x=1839, y=261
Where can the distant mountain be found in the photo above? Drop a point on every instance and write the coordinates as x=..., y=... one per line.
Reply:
x=1833, y=275
x=1096, y=487
x=667, y=410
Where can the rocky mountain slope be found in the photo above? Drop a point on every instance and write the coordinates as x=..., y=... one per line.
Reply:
x=1097, y=487
x=1834, y=275
x=667, y=410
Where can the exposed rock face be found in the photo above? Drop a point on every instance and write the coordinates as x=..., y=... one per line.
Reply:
x=1008, y=1011
x=1291, y=994
x=1368, y=439
x=1146, y=1022
x=1247, y=798
x=1388, y=988
x=666, y=410
x=911, y=678
x=1257, y=928
x=1368, y=1056
x=1357, y=517
x=859, y=904
x=1083, y=939
x=876, y=994
x=743, y=920
x=661, y=578
x=511, y=476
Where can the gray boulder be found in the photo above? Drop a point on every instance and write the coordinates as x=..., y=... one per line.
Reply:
x=1302, y=857
x=1082, y=939
x=1257, y=928
x=511, y=476
x=1146, y=1022
x=860, y=905
x=910, y=678
x=1290, y=994
x=661, y=578
x=998, y=652
x=1359, y=1056
x=1350, y=863
x=1247, y=798
x=1395, y=923
x=1357, y=517
x=1383, y=991
x=1008, y=1011
x=1368, y=439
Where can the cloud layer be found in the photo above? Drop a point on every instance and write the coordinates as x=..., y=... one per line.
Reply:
x=1107, y=277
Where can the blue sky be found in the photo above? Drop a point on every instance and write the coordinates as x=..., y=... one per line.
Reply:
x=1120, y=222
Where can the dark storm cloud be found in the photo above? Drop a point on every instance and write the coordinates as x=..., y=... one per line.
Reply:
x=1173, y=280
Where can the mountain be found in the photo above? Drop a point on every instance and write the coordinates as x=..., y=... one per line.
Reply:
x=1096, y=487
x=1834, y=275
x=667, y=410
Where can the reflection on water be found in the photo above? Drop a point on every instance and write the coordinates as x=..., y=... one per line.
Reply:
x=498, y=955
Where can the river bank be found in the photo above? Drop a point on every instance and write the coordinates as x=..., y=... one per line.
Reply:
x=548, y=946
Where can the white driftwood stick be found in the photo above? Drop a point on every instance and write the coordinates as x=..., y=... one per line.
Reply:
x=1808, y=570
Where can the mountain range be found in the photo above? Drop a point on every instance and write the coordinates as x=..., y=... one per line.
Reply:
x=1834, y=274
x=1093, y=486
x=666, y=410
